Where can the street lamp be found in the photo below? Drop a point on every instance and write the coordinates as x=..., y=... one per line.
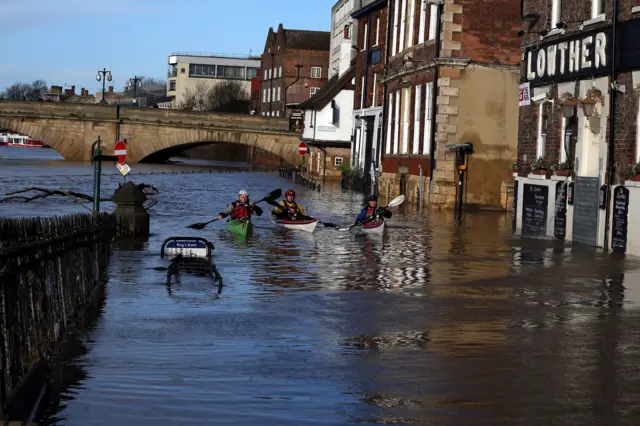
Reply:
x=106, y=75
x=133, y=83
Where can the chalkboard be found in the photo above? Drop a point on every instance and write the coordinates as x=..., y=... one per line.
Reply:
x=620, y=219
x=534, y=209
x=514, y=217
x=560, y=220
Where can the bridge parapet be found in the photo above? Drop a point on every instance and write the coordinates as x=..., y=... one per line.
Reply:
x=97, y=112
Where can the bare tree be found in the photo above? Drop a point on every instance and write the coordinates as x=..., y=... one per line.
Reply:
x=226, y=96
x=25, y=91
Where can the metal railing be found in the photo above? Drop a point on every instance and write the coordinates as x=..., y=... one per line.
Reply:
x=216, y=55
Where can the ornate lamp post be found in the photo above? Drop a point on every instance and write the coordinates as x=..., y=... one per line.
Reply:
x=106, y=75
x=133, y=84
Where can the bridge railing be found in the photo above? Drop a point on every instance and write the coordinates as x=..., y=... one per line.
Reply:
x=99, y=112
x=49, y=269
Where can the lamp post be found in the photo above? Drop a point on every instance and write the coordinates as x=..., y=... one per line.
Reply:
x=133, y=83
x=106, y=75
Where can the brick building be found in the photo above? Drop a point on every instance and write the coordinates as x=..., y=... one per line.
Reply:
x=285, y=53
x=573, y=183
x=371, y=20
x=451, y=77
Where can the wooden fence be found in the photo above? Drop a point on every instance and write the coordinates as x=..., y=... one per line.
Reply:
x=49, y=267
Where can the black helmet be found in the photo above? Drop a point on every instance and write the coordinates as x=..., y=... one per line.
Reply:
x=372, y=198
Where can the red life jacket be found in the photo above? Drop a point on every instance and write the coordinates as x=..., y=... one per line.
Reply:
x=240, y=211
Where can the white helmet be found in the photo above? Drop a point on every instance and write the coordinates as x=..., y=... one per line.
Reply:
x=243, y=192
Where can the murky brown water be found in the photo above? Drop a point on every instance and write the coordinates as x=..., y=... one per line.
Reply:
x=432, y=323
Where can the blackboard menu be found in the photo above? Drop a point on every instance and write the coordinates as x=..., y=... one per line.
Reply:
x=620, y=219
x=534, y=209
x=560, y=220
x=514, y=217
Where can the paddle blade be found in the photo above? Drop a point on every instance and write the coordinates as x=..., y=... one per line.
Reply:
x=197, y=226
x=396, y=201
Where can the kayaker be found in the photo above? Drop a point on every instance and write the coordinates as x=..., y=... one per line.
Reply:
x=241, y=209
x=371, y=211
x=289, y=209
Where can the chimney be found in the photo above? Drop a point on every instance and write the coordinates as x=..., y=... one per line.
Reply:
x=73, y=89
x=110, y=89
x=82, y=91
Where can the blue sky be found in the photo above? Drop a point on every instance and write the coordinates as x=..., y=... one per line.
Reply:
x=68, y=41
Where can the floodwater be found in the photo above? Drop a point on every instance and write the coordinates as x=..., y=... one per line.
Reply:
x=431, y=323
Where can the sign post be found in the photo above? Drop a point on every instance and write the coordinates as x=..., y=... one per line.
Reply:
x=120, y=151
x=97, y=158
x=303, y=148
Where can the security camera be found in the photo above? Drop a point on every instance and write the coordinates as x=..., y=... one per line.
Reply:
x=541, y=97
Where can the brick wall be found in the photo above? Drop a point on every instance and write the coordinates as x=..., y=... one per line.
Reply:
x=625, y=126
x=361, y=59
x=489, y=30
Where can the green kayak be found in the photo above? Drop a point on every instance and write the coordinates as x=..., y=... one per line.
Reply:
x=239, y=227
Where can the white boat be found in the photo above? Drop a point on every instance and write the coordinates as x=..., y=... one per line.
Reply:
x=374, y=227
x=23, y=141
x=301, y=225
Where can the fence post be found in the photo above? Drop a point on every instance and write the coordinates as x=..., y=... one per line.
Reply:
x=97, y=171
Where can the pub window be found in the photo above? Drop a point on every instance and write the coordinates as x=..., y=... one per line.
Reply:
x=172, y=85
x=423, y=21
x=543, y=125
x=597, y=8
x=389, y=124
x=316, y=72
x=428, y=112
x=638, y=135
x=433, y=21
x=556, y=6
x=375, y=56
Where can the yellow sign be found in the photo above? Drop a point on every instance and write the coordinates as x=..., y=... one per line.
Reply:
x=124, y=168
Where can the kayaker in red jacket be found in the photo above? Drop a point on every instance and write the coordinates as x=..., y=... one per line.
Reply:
x=371, y=211
x=241, y=209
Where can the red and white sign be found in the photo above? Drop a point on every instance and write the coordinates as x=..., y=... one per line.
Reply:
x=525, y=94
x=120, y=150
x=303, y=148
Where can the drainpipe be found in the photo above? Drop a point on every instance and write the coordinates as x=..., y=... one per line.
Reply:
x=385, y=88
x=434, y=97
x=365, y=86
x=612, y=120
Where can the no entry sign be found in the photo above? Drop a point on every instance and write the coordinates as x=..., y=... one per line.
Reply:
x=303, y=148
x=120, y=150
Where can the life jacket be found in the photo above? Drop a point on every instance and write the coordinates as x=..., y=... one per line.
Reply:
x=288, y=205
x=372, y=213
x=240, y=211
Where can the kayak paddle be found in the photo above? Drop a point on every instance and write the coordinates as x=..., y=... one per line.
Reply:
x=276, y=193
x=395, y=202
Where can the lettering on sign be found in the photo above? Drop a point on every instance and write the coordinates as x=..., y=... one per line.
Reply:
x=534, y=209
x=560, y=219
x=587, y=54
x=620, y=219
x=525, y=94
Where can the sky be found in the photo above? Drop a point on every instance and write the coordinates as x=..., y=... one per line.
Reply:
x=66, y=42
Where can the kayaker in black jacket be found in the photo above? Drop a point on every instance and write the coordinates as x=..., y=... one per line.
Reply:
x=371, y=211
x=289, y=209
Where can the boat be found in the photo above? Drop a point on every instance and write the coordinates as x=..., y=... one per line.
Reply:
x=301, y=225
x=373, y=227
x=23, y=141
x=240, y=227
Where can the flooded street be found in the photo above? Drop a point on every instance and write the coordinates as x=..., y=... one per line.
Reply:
x=431, y=323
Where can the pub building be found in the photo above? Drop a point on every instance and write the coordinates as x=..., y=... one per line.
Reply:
x=448, y=77
x=572, y=183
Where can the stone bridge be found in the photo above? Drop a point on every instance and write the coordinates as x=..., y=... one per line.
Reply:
x=152, y=134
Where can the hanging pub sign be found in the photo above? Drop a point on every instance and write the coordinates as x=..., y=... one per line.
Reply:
x=585, y=54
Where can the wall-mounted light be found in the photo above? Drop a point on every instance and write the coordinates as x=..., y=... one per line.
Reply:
x=567, y=104
x=589, y=102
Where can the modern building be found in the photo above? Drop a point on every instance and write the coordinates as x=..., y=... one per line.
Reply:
x=328, y=121
x=578, y=162
x=366, y=155
x=191, y=72
x=451, y=77
x=294, y=66
x=343, y=27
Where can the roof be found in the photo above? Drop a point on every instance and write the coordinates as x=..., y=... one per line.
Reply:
x=307, y=40
x=367, y=7
x=331, y=88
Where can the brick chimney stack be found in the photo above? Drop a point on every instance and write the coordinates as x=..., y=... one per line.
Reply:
x=110, y=89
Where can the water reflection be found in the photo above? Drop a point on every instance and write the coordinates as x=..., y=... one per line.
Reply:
x=433, y=322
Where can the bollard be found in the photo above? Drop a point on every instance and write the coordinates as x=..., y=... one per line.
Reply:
x=129, y=199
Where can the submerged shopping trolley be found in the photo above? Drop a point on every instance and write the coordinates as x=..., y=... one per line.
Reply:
x=191, y=255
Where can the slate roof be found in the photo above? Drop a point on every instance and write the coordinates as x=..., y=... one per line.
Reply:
x=307, y=40
x=331, y=88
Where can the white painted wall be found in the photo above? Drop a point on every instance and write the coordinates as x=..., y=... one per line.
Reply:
x=322, y=128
